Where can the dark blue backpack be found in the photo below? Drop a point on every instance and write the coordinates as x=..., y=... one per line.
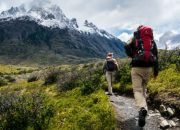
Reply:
x=110, y=65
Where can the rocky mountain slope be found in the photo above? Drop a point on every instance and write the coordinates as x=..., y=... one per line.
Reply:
x=45, y=35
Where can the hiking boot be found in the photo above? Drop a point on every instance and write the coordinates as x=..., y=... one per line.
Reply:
x=110, y=94
x=142, y=117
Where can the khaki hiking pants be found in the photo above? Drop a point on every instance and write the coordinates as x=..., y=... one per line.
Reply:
x=140, y=77
x=109, y=80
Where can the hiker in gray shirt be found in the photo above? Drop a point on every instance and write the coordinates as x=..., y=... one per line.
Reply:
x=110, y=65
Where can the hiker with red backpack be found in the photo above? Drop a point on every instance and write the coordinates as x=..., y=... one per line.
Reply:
x=110, y=65
x=143, y=51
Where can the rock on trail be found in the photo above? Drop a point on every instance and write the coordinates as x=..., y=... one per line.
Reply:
x=127, y=113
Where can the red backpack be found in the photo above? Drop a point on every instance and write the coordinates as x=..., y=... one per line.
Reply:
x=144, y=45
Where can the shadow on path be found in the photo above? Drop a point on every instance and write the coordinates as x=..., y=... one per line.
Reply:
x=131, y=125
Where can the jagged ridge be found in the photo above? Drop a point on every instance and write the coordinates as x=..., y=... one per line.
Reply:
x=29, y=37
x=53, y=16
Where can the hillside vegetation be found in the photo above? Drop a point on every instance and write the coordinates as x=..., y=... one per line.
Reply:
x=24, y=41
x=72, y=96
x=62, y=97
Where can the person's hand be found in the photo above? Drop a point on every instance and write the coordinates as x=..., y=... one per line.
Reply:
x=155, y=75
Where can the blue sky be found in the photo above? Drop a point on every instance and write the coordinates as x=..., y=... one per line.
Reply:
x=119, y=17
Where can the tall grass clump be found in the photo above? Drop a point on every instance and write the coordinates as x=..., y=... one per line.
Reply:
x=168, y=57
x=32, y=78
x=3, y=81
x=68, y=80
x=168, y=80
x=88, y=78
x=122, y=78
x=51, y=76
x=91, y=81
x=84, y=112
x=19, y=112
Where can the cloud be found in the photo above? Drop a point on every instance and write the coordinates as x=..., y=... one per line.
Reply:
x=107, y=14
x=39, y=2
x=162, y=15
x=125, y=36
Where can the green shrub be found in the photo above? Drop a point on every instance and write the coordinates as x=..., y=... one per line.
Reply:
x=69, y=80
x=32, y=78
x=123, y=75
x=91, y=81
x=85, y=112
x=52, y=76
x=19, y=112
x=167, y=80
x=22, y=72
x=168, y=57
x=3, y=81
x=10, y=78
x=122, y=79
x=88, y=79
x=27, y=106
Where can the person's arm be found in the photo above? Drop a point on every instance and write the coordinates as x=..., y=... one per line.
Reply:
x=129, y=47
x=156, y=66
x=116, y=63
x=104, y=67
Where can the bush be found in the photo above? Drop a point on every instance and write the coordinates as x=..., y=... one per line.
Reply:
x=19, y=112
x=68, y=81
x=123, y=75
x=10, y=78
x=22, y=72
x=52, y=76
x=167, y=80
x=85, y=112
x=88, y=79
x=32, y=78
x=123, y=84
x=3, y=81
x=168, y=57
x=91, y=81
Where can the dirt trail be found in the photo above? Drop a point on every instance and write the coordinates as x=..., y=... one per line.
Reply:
x=126, y=115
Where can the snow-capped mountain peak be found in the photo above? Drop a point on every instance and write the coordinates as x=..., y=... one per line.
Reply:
x=74, y=23
x=169, y=40
x=13, y=12
x=52, y=16
x=90, y=24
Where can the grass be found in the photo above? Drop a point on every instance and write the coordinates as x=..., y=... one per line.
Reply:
x=71, y=109
x=8, y=69
x=168, y=80
x=13, y=69
x=83, y=112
